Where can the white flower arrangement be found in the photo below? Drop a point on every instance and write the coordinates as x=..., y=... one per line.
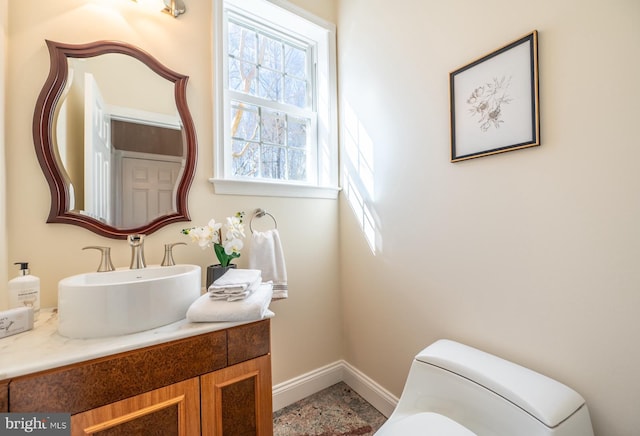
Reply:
x=210, y=235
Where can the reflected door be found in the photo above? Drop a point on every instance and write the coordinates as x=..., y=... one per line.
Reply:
x=97, y=153
x=147, y=190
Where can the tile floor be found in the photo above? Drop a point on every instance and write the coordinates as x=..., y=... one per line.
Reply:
x=335, y=411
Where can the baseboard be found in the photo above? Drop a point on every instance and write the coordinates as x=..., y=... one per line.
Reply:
x=302, y=386
x=376, y=395
x=307, y=384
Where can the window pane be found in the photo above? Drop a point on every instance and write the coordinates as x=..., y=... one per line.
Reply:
x=297, y=164
x=295, y=62
x=295, y=92
x=242, y=76
x=297, y=132
x=270, y=85
x=234, y=39
x=271, y=53
x=235, y=77
x=273, y=162
x=246, y=158
x=244, y=121
x=242, y=43
x=273, y=127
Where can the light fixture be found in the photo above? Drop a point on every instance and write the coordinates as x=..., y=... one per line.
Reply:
x=171, y=7
x=174, y=7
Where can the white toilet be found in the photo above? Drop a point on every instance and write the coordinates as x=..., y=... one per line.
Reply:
x=456, y=390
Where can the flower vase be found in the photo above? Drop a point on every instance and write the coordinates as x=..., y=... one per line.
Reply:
x=214, y=272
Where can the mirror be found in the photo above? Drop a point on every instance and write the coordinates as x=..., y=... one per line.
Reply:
x=115, y=139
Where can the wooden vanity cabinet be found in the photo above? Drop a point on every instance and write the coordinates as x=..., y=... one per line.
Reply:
x=4, y=397
x=217, y=383
x=234, y=400
x=170, y=411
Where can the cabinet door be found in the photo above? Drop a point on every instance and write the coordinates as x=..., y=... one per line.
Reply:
x=172, y=410
x=4, y=397
x=236, y=401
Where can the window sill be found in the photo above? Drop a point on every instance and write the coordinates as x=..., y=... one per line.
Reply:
x=270, y=189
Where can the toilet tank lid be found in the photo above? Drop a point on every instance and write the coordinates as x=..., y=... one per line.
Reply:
x=546, y=399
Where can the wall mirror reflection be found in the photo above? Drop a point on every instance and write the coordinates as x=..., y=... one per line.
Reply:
x=115, y=139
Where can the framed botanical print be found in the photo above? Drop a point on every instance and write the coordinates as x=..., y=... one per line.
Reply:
x=494, y=102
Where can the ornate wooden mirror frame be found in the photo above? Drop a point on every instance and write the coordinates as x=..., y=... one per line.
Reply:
x=45, y=144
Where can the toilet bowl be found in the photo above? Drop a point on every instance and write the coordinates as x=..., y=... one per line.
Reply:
x=456, y=390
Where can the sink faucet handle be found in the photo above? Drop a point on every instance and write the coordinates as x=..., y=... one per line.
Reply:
x=105, y=259
x=167, y=260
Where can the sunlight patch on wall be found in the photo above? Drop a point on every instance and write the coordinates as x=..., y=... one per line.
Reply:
x=358, y=173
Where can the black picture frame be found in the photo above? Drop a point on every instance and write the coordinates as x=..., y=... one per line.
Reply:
x=494, y=101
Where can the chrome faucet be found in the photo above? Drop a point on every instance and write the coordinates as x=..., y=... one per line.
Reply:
x=137, y=251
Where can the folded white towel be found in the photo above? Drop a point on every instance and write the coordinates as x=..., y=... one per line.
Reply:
x=234, y=293
x=237, y=277
x=267, y=255
x=253, y=308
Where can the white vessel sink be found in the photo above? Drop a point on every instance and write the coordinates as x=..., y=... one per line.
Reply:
x=100, y=304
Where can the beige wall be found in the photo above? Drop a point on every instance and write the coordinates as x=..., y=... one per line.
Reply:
x=4, y=5
x=532, y=254
x=306, y=327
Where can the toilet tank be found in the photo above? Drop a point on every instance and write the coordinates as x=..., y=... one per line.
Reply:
x=491, y=396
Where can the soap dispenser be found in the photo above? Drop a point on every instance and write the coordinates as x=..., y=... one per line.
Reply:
x=24, y=290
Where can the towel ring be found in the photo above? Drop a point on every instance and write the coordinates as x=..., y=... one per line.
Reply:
x=259, y=214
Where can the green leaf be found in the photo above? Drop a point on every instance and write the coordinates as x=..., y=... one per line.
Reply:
x=221, y=255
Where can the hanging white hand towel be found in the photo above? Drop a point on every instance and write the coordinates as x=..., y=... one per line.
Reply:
x=267, y=256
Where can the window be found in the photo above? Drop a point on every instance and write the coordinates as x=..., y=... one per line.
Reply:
x=276, y=101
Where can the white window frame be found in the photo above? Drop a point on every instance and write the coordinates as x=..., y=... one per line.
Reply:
x=291, y=20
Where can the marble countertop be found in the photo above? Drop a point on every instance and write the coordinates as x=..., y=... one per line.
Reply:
x=43, y=348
